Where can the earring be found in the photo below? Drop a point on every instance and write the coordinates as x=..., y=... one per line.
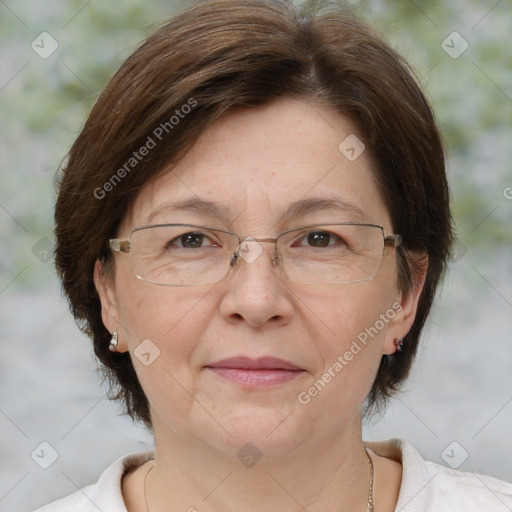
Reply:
x=113, y=343
x=399, y=343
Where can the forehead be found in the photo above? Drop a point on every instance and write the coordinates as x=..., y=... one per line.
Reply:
x=254, y=169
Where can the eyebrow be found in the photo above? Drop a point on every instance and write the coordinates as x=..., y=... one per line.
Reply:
x=193, y=204
x=316, y=204
x=296, y=209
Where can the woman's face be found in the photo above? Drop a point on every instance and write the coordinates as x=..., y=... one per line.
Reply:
x=254, y=164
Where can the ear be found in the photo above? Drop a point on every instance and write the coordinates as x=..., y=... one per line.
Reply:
x=109, y=306
x=406, y=305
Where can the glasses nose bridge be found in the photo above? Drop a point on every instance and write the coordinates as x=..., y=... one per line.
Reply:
x=264, y=239
x=250, y=258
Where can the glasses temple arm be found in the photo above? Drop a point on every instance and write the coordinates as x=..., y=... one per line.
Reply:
x=392, y=241
x=119, y=245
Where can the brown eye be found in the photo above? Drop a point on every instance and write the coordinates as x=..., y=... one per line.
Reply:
x=192, y=240
x=319, y=238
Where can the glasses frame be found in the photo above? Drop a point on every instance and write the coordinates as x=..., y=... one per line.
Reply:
x=124, y=245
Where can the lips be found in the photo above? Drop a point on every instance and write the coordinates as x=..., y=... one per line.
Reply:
x=255, y=373
x=246, y=363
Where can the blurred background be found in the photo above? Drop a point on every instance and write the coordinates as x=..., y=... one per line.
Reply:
x=55, y=58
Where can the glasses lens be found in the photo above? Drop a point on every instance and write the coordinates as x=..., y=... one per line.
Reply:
x=181, y=255
x=332, y=254
x=186, y=254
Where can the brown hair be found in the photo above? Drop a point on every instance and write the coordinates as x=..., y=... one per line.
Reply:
x=219, y=55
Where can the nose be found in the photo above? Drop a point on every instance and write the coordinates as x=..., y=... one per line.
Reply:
x=255, y=291
x=251, y=248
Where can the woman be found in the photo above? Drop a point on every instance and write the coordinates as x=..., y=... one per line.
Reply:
x=251, y=228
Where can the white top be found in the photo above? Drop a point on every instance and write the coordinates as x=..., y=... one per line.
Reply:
x=426, y=486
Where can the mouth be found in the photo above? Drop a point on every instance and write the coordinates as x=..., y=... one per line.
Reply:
x=256, y=373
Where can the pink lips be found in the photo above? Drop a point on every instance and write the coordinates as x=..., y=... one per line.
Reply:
x=255, y=373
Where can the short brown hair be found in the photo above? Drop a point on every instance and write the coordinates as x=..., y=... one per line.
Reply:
x=219, y=55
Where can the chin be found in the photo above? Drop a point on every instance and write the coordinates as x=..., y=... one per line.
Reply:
x=264, y=430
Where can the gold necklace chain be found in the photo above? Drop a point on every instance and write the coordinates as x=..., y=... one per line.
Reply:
x=372, y=476
x=144, y=487
x=370, y=490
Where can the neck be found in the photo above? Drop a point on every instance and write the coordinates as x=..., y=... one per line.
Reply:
x=318, y=475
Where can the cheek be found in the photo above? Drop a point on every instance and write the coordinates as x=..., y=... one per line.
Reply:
x=348, y=343
x=166, y=321
x=173, y=320
x=354, y=346
x=160, y=313
x=343, y=313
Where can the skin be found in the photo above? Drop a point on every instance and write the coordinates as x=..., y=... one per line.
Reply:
x=256, y=162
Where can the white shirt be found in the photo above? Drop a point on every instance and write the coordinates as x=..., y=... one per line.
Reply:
x=426, y=486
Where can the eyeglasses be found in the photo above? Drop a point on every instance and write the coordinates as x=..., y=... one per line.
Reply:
x=189, y=255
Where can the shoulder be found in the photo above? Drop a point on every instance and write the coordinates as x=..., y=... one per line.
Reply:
x=106, y=493
x=430, y=486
